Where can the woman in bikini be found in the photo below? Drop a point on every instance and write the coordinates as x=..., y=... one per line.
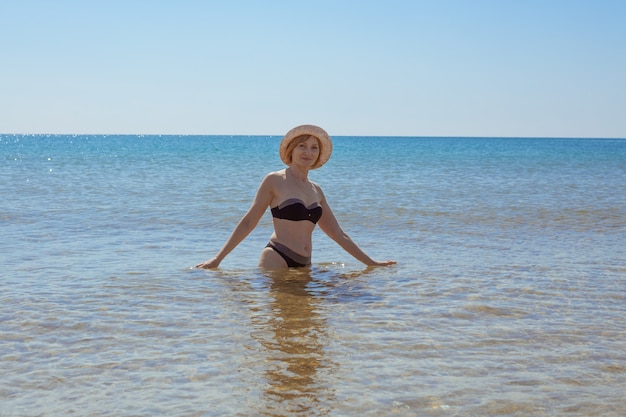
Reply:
x=297, y=206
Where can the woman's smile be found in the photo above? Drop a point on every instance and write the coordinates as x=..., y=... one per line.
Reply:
x=307, y=151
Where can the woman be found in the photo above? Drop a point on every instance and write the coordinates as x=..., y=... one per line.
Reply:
x=297, y=205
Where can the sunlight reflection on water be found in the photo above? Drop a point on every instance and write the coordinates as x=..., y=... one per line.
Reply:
x=508, y=298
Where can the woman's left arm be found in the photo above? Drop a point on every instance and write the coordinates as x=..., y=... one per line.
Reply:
x=329, y=225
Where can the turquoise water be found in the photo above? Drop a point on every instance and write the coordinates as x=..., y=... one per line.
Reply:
x=508, y=297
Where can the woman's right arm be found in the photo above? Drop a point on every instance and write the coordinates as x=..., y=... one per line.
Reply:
x=247, y=223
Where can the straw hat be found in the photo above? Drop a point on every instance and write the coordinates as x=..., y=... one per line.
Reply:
x=326, y=146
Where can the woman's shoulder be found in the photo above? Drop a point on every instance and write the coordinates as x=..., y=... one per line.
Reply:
x=275, y=175
x=317, y=188
x=273, y=179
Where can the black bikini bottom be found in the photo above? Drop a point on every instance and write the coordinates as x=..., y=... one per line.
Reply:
x=293, y=259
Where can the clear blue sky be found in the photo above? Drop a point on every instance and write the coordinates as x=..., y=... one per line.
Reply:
x=387, y=67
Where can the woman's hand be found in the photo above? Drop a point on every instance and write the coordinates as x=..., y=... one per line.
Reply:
x=211, y=263
x=383, y=263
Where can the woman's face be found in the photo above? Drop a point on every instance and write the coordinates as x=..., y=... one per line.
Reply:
x=306, y=153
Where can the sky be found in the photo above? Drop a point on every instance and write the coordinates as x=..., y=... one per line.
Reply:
x=532, y=68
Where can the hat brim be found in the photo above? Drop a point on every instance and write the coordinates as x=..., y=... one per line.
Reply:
x=326, y=145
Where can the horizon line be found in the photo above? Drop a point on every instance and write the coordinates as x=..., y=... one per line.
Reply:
x=334, y=136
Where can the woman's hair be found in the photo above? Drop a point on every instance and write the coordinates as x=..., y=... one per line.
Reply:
x=298, y=140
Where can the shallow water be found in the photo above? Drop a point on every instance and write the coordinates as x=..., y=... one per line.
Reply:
x=509, y=296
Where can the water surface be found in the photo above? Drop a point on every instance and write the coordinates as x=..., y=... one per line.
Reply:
x=508, y=298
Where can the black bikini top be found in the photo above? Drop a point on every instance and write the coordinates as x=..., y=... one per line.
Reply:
x=295, y=210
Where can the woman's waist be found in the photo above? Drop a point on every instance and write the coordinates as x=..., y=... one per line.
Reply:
x=302, y=248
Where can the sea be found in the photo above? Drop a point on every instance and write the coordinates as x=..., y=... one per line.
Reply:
x=508, y=297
